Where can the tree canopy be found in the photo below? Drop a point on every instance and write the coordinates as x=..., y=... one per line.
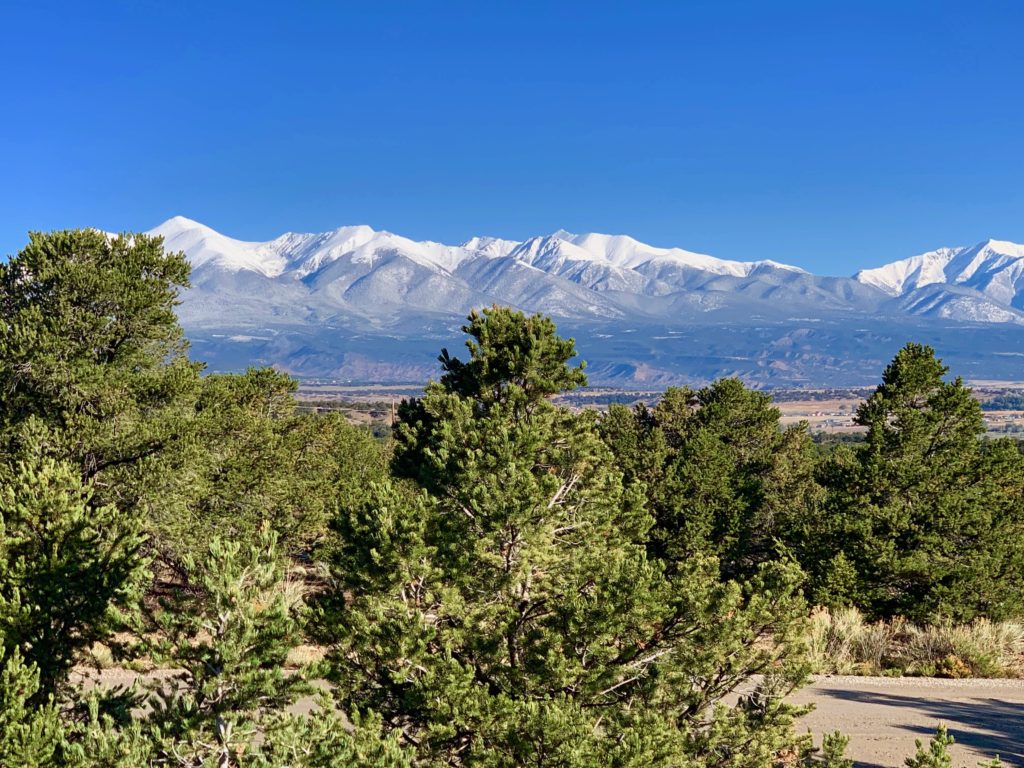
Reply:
x=505, y=581
x=720, y=475
x=927, y=518
x=504, y=609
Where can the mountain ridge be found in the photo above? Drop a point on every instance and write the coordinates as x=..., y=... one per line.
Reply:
x=590, y=245
x=362, y=294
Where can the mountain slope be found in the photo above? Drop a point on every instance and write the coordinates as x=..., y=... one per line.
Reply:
x=994, y=268
x=357, y=302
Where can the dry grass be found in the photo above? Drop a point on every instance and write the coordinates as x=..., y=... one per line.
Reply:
x=830, y=640
x=842, y=642
x=99, y=656
x=304, y=655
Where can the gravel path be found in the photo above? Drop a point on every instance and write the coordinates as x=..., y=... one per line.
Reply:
x=883, y=715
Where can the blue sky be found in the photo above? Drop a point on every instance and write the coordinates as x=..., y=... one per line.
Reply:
x=824, y=134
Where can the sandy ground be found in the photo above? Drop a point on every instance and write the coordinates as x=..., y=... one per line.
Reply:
x=883, y=715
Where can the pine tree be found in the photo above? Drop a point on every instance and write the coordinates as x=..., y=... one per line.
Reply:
x=255, y=460
x=928, y=517
x=100, y=741
x=319, y=740
x=93, y=363
x=30, y=731
x=720, y=474
x=69, y=569
x=95, y=376
x=511, y=354
x=230, y=634
x=504, y=611
x=937, y=755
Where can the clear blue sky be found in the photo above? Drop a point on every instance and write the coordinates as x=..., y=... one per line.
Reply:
x=831, y=135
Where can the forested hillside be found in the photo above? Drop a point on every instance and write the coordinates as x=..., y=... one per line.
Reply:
x=503, y=582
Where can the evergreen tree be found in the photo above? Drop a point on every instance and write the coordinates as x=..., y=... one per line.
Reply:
x=319, y=740
x=253, y=460
x=720, y=474
x=30, y=732
x=506, y=613
x=68, y=570
x=511, y=354
x=230, y=636
x=102, y=741
x=937, y=755
x=927, y=518
x=93, y=363
x=95, y=375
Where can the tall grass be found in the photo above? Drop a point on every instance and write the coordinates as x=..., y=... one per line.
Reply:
x=842, y=642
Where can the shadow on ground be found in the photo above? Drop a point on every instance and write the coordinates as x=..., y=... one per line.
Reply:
x=990, y=726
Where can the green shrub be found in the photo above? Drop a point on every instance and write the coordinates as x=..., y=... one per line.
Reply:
x=69, y=570
x=30, y=734
x=937, y=755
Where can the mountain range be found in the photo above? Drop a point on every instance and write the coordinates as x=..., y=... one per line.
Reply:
x=363, y=305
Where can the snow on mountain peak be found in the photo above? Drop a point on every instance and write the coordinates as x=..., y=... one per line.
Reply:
x=1003, y=247
x=990, y=271
x=628, y=253
x=302, y=254
x=203, y=246
x=490, y=246
x=182, y=223
x=348, y=303
x=993, y=267
x=306, y=253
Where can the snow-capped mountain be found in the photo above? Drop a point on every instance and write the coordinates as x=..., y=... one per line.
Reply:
x=355, y=300
x=561, y=252
x=994, y=269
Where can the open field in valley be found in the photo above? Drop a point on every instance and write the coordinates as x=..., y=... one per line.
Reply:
x=829, y=411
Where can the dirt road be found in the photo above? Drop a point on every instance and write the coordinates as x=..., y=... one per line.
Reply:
x=882, y=716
